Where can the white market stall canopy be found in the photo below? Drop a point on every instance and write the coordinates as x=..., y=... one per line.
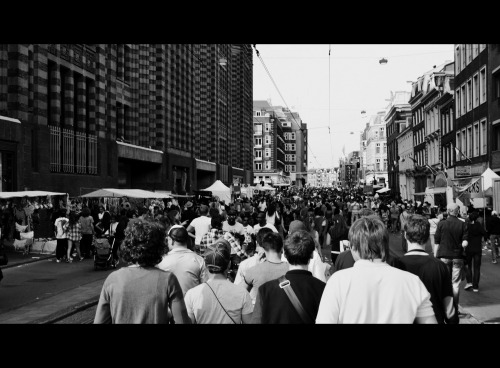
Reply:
x=29, y=193
x=220, y=190
x=383, y=190
x=132, y=193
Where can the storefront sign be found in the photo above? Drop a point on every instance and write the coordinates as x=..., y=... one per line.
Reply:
x=468, y=187
x=462, y=170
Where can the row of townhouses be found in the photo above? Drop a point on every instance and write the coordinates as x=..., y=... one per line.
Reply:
x=449, y=127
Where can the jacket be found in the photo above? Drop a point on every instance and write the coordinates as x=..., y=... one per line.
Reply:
x=493, y=225
x=450, y=234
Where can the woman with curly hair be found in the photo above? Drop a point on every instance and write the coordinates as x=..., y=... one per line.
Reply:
x=141, y=292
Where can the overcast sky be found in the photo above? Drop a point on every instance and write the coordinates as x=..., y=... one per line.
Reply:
x=332, y=90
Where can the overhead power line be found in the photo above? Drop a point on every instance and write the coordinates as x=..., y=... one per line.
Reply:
x=279, y=92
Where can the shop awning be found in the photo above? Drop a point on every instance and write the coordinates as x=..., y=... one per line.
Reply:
x=383, y=190
x=29, y=193
x=132, y=193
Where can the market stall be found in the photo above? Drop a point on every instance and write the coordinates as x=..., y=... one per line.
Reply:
x=114, y=198
x=221, y=191
x=27, y=219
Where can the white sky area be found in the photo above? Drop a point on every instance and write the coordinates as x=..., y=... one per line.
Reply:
x=333, y=90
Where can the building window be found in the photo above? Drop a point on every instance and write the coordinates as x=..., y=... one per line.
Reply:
x=257, y=129
x=267, y=165
x=475, y=50
x=258, y=166
x=468, y=52
x=458, y=144
x=458, y=101
x=258, y=141
x=464, y=141
x=476, y=140
x=267, y=139
x=484, y=142
x=482, y=46
x=469, y=95
x=469, y=141
x=267, y=152
x=496, y=138
x=457, y=59
x=268, y=127
x=482, y=85
x=475, y=90
x=258, y=153
x=292, y=136
x=496, y=86
x=293, y=147
x=464, y=100
x=377, y=148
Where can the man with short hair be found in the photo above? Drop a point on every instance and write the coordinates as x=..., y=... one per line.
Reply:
x=372, y=291
x=262, y=222
x=232, y=225
x=199, y=226
x=272, y=268
x=272, y=304
x=451, y=238
x=218, y=301
x=188, y=266
x=433, y=273
x=258, y=257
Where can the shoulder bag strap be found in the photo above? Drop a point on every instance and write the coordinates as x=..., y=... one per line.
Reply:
x=284, y=283
x=220, y=303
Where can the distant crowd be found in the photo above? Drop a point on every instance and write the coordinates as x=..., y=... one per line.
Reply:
x=314, y=255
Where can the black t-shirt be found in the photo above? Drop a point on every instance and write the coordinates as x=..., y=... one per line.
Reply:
x=435, y=277
x=273, y=305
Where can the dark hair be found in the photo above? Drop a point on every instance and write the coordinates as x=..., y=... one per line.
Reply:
x=85, y=212
x=72, y=218
x=417, y=229
x=318, y=212
x=144, y=243
x=216, y=221
x=473, y=216
x=272, y=241
x=299, y=248
x=213, y=212
x=263, y=231
x=271, y=209
x=369, y=237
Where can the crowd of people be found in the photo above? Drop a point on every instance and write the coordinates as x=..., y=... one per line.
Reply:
x=261, y=260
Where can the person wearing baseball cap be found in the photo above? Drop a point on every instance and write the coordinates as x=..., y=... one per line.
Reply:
x=188, y=266
x=218, y=301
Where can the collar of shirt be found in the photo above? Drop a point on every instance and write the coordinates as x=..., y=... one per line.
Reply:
x=179, y=249
x=416, y=252
x=368, y=263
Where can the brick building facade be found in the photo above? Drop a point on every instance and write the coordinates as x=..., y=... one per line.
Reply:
x=153, y=116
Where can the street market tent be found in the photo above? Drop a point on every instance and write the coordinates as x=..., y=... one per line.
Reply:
x=488, y=177
x=383, y=190
x=220, y=190
x=29, y=193
x=131, y=193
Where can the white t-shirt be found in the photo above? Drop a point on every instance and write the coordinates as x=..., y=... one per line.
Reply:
x=202, y=304
x=201, y=227
x=236, y=228
x=257, y=227
x=373, y=292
